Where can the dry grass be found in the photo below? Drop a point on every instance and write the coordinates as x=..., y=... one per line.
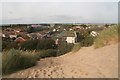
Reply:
x=107, y=37
x=14, y=60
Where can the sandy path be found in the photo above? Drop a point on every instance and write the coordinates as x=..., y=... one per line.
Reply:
x=86, y=63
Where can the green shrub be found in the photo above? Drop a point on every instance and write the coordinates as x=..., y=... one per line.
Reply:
x=76, y=47
x=46, y=44
x=6, y=45
x=29, y=45
x=87, y=41
x=80, y=37
x=31, y=29
x=39, y=44
x=64, y=48
x=14, y=60
x=46, y=53
x=106, y=37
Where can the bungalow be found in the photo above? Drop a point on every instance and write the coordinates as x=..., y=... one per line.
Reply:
x=13, y=36
x=54, y=30
x=20, y=39
x=34, y=36
x=3, y=35
x=68, y=36
x=94, y=33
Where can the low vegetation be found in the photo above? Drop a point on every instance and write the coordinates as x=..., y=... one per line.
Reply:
x=42, y=44
x=6, y=45
x=107, y=36
x=76, y=47
x=14, y=60
x=45, y=53
x=85, y=39
x=64, y=48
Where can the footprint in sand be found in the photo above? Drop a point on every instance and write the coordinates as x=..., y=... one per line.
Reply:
x=36, y=75
x=75, y=72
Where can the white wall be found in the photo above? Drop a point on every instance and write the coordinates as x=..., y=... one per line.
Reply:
x=70, y=39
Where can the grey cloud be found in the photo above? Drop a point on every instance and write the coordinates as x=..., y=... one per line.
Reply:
x=93, y=12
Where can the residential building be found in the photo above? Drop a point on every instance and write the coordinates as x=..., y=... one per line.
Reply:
x=20, y=39
x=68, y=36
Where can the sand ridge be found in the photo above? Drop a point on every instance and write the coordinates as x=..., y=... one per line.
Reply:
x=85, y=63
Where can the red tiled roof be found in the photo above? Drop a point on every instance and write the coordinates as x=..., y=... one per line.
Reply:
x=20, y=39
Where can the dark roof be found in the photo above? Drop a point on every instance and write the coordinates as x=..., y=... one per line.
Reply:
x=67, y=34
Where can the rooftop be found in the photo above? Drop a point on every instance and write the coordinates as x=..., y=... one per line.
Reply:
x=67, y=34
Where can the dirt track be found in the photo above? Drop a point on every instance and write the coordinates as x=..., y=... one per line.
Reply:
x=86, y=63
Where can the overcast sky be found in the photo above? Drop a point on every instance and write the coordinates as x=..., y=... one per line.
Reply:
x=61, y=12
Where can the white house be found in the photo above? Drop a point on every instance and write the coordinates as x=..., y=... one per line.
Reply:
x=64, y=29
x=69, y=36
x=70, y=29
x=3, y=35
x=94, y=33
x=70, y=39
x=13, y=36
x=54, y=30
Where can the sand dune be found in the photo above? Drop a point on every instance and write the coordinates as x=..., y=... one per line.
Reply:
x=86, y=63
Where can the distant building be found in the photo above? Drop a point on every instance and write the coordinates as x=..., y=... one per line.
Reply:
x=34, y=36
x=64, y=29
x=54, y=30
x=13, y=36
x=94, y=33
x=3, y=35
x=35, y=26
x=68, y=36
x=57, y=41
x=70, y=29
x=20, y=39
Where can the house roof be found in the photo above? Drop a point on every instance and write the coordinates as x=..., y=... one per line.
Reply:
x=20, y=39
x=67, y=34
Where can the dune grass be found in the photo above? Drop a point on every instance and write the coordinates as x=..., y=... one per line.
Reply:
x=45, y=53
x=14, y=60
x=107, y=37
